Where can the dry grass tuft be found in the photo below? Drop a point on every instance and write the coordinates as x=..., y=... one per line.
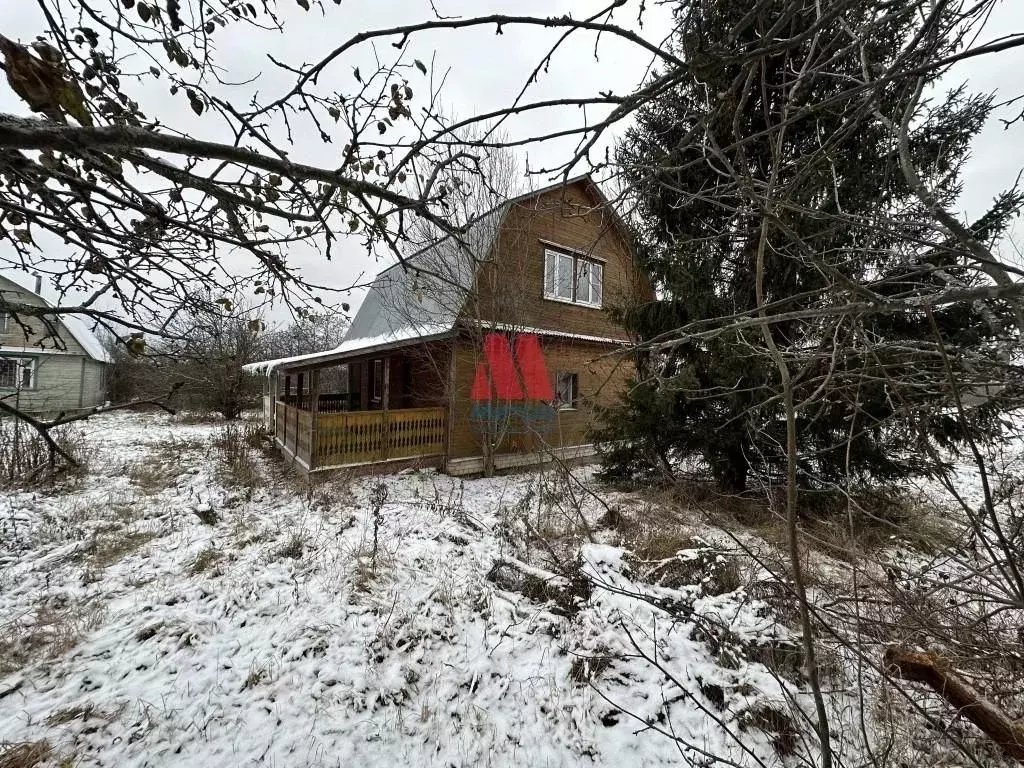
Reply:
x=208, y=558
x=85, y=711
x=108, y=548
x=25, y=754
x=585, y=670
x=293, y=547
x=52, y=630
x=233, y=448
x=154, y=474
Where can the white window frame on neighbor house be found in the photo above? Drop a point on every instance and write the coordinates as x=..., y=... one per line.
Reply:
x=573, y=278
x=21, y=367
x=573, y=380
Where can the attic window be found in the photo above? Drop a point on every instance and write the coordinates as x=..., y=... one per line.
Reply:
x=573, y=278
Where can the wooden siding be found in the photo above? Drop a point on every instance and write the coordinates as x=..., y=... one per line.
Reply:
x=67, y=379
x=63, y=382
x=602, y=373
x=510, y=284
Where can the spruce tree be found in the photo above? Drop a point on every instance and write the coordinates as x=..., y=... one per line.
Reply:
x=698, y=161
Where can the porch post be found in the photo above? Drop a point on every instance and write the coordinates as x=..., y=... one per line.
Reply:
x=385, y=397
x=314, y=406
x=287, y=392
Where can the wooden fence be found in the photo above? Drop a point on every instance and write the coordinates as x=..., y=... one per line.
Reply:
x=357, y=437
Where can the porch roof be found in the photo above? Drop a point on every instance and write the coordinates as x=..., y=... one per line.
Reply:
x=352, y=348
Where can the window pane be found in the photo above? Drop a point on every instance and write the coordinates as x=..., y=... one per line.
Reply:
x=566, y=390
x=3, y=322
x=26, y=373
x=563, y=287
x=596, y=283
x=550, y=266
x=583, y=281
x=8, y=372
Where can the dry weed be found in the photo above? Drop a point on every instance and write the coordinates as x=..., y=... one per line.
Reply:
x=233, y=448
x=26, y=754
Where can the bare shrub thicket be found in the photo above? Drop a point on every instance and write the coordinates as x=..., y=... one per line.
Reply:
x=235, y=448
x=26, y=457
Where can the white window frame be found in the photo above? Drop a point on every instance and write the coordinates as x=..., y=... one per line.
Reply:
x=21, y=365
x=573, y=403
x=556, y=261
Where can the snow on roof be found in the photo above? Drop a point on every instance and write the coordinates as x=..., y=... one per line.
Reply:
x=77, y=327
x=417, y=299
x=348, y=348
x=430, y=287
x=81, y=332
x=422, y=296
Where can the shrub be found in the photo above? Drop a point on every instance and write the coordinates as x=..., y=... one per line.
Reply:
x=26, y=457
x=235, y=463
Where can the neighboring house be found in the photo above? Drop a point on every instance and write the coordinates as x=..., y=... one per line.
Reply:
x=48, y=370
x=486, y=351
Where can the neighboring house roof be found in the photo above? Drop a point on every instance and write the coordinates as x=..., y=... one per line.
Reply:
x=421, y=297
x=76, y=327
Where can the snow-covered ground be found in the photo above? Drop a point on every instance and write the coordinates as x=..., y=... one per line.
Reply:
x=157, y=612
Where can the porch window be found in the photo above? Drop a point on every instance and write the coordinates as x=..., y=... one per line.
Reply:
x=17, y=372
x=567, y=391
x=573, y=278
x=377, y=381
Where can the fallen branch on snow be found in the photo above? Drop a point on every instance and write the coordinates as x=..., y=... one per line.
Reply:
x=933, y=671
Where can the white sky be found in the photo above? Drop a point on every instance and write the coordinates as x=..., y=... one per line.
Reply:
x=484, y=71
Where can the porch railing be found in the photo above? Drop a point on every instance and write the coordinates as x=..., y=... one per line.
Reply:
x=364, y=436
x=294, y=428
x=358, y=437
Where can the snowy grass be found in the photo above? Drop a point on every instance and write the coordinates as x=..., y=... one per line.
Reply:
x=189, y=602
x=171, y=610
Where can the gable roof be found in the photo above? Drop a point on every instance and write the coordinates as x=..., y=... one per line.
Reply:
x=76, y=327
x=421, y=297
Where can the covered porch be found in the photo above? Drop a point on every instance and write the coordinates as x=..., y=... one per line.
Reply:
x=338, y=410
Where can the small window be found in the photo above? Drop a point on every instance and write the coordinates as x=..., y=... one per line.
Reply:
x=572, y=278
x=3, y=322
x=377, y=380
x=566, y=391
x=17, y=372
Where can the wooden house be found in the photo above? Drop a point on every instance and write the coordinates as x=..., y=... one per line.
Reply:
x=487, y=351
x=48, y=368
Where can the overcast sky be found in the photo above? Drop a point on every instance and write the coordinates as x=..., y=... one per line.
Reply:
x=484, y=71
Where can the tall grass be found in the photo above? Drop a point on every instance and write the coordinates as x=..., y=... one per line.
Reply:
x=25, y=456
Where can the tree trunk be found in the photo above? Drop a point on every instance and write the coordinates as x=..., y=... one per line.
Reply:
x=734, y=468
